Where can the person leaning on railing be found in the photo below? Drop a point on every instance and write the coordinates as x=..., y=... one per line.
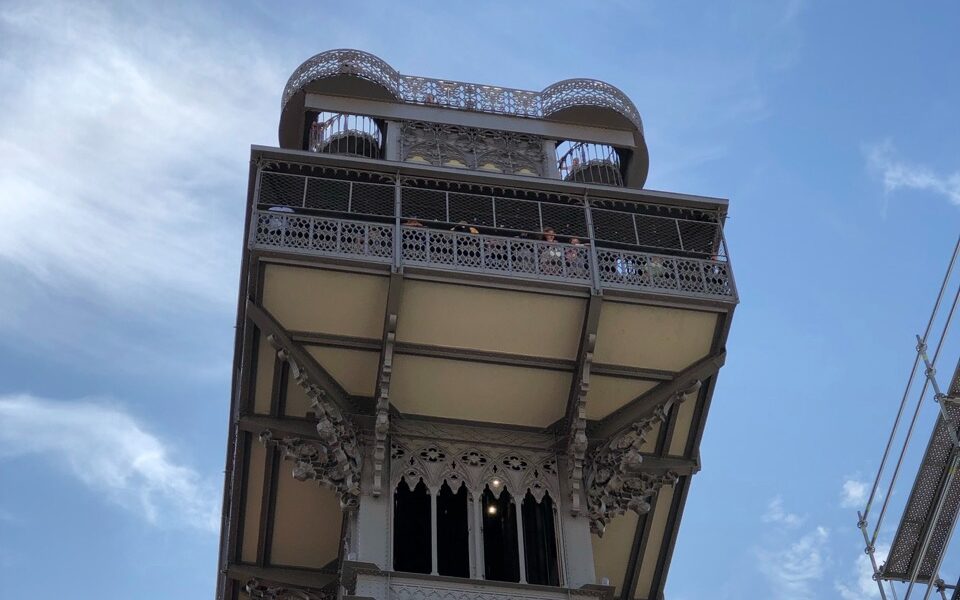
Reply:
x=551, y=255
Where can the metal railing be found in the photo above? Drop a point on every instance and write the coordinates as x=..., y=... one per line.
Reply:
x=277, y=229
x=495, y=254
x=341, y=133
x=458, y=94
x=314, y=235
x=587, y=162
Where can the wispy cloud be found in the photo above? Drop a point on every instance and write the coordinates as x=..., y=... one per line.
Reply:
x=794, y=569
x=124, y=139
x=111, y=453
x=897, y=173
x=853, y=493
x=775, y=513
x=863, y=586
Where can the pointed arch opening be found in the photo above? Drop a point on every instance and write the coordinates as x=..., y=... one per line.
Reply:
x=501, y=555
x=411, y=528
x=540, y=540
x=453, y=531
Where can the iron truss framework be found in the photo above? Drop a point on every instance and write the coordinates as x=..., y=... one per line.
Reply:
x=922, y=537
x=461, y=95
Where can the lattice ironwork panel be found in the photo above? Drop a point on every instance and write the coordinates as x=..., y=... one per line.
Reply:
x=495, y=255
x=701, y=237
x=328, y=194
x=471, y=208
x=687, y=276
x=372, y=199
x=614, y=226
x=306, y=234
x=423, y=204
x=658, y=232
x=566, y=220
x=917, y=517
x=281, y=189
x=517, y=214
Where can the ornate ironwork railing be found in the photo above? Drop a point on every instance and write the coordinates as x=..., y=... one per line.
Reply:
x=462, y=95
x=494, y=254
x=660, y=272
x=308, y=234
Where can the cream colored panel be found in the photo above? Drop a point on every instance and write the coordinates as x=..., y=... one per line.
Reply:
x=607, y=394
x=263, y=389
x=319, y=300
x=254, y=497
x=656, y=540
x=612, y=551
x=650, y=445
x=306, y=526
x=477, y=391
x=682, y=430
x=653, y=337
x=478, y=318
x=295, y=403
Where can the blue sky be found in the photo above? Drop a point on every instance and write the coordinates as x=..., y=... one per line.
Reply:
x=124, y=140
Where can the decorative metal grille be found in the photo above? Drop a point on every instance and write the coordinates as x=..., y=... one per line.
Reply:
x=339, y=195
x=307, y=234
x=654, y=232
x=471, y=148
x=496, y=255
x=689, y=276
x=461, y=95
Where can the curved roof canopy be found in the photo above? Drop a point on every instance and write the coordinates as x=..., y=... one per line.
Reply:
x=358, y=73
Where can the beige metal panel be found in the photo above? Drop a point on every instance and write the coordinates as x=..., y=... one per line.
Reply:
x=254, y=497
x=653, y=337
x=354, y=370
x=658, y=526
x=326, y=301
x=478, y=318
x=607, y=394
x=650, y=445
x=306, y=523
x=612, y=551
x=478, y=392
x=263, y=389
x=682, y=430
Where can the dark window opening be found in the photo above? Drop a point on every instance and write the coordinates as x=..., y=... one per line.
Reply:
x=501, y=557
x=453, y=532
x=540, y=541
x=411, y=529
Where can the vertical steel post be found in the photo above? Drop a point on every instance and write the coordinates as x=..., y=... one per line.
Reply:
x=594, y=265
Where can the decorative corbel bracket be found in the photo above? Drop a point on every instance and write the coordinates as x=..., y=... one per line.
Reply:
x=335, y=458
x=260, y=590
x=615, y=477
x=382, y=424
x=577, y=446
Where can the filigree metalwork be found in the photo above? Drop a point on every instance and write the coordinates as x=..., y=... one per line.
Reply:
x=381, y=427
x=615, y=480
x=261, y=590
x=475, y=466
x=334, y=459
x=459, y=94
x=471, y=148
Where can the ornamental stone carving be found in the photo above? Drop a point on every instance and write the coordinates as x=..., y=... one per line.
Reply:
x=334, y=459
x=615, y=479
x=260, y=590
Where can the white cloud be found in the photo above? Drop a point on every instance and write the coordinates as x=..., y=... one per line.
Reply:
x=854, y=493
x=111, y=453
x=794, y=569
x=775, y=513
x=900, y=174
x=863, y=586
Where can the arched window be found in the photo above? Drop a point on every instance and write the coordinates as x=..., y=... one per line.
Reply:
x=453, y=532
x=501, y=556
x=540, y=540
x=411, y=522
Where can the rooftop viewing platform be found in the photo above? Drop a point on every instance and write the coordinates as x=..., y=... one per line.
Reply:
x=422, y=218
